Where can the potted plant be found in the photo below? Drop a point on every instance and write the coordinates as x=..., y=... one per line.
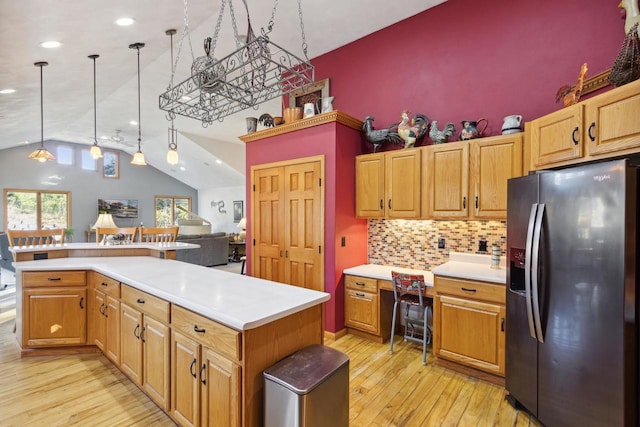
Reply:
x=68, y=234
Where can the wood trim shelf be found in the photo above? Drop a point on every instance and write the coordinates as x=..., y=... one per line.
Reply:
x=332, y=116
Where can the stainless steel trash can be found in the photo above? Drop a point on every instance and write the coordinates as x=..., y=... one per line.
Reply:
x=309, y=388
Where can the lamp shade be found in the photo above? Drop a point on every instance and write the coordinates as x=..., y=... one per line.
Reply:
x=105, y=220
x=243, y=223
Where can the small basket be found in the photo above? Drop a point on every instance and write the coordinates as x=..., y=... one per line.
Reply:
x=292, y=114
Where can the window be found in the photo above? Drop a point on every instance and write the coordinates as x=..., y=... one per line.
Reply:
x=167, y=212
x=36, y=209
x=110, y=164
x=64, y=155
x=87, y=162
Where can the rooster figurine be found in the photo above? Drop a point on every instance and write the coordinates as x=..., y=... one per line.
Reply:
x=632, y=14
x=381, y=136
x=414, y=131
x=441, y=136
x=571, y=94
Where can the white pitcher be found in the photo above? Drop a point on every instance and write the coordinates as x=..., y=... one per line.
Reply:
x=326, y=104
x=309, y=110
x=511, y=124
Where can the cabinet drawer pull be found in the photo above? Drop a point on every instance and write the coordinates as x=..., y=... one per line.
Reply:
x=81, y=301
x=464, y=202
x=389, y=203
x=476, y=202
x=102, y=309
x=54, y=279
x=381, y=204
x=140, y=301
x=104, y=312
x=134, y=331
x=360, y=295
x=203, y=380
x=198, y=330
x=591, y=136
x=142, y=334
x=192, y=368
x=502, y=324
x=469, y=290
x=104, y=284
x=360, y=284
x=574, y=137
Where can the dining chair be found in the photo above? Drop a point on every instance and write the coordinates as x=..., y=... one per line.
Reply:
x=52, y=236
x=408, y=293
x=158, y=234
x=129, y=233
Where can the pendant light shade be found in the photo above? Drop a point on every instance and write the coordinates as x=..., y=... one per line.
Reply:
x=41, y=154
x=95, y=151
x=138, y=157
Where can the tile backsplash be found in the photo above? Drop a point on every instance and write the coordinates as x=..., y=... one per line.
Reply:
x=414, y=243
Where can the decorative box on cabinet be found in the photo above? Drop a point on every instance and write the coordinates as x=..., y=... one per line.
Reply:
x=469, y=323
x=597, y=128
x=388, y=184
x=54, y=309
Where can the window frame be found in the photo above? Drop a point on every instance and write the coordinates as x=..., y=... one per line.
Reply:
x=87, y=152
x=173, y=207
x=38, y=204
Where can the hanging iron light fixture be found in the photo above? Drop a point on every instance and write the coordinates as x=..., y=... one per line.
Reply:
x=95, y=151
x=41, y=154
x=138, y=157
x=172, y=153
x=259, y=70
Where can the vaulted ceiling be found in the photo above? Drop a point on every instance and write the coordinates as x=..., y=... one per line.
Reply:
x=209, y=157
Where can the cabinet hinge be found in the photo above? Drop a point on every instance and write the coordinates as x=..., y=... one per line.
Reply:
x=254, y=242
x=319, y=249
x=319, y=182
x=254, y=187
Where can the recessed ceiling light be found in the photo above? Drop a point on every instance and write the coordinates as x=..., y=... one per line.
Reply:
x=104, y=137
x=7, y=91
x=182, y=168
x=125, y=22
x=25, y=142
x=218, y=161
x=50, y=44
x=133, y=123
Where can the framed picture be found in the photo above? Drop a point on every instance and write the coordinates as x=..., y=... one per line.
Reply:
x=119, y=208
x=238, y=210
x=110, y=164
x=310, y=93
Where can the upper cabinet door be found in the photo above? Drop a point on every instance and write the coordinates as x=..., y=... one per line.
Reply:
x=612, y=121
x=447, y=180
x=557, y=138
x=493, y=161
x=403, y=183
x=370, y=196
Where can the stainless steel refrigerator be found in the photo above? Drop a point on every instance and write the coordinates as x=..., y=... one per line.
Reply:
x=572, y=303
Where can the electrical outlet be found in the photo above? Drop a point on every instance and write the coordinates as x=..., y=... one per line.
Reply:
x=440, y=243
x=482, y=247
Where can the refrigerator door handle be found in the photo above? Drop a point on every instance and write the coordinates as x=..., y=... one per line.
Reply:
x=534, y=272
x=527, y=269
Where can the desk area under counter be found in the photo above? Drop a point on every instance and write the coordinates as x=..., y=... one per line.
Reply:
x=229, y=326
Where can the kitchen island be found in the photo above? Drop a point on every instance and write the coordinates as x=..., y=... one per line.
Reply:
x=195, y=339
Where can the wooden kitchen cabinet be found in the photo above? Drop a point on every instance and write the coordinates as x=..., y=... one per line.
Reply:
x=469, y=323
x=54, y=306
x=446, y=180
x=597, y=128
x=106, y=315
x=146, y=343
x=388, y=184
x=206, y=372
x=367, y=311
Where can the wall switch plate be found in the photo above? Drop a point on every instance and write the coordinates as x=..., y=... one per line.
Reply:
x=343, y=241
x=482, y=247
x=440, y=243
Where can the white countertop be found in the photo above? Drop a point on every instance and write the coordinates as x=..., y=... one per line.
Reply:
x=472, y=267
x=238, y=301
x=79, y=246
x=383, y=272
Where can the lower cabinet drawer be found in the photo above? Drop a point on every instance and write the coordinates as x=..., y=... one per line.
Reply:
x=105, y=284
x=361, y=283
x=146, y=303
x=220, y=338
x=53, y=278
x=479, y=291
x=361, y=310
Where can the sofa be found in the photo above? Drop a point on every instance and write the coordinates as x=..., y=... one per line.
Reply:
x=6, y=258
x=213, y=250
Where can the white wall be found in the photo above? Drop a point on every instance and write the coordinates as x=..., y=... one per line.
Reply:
x=216, y=205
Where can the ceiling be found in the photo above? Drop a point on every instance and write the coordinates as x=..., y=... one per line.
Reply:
x=209, y=157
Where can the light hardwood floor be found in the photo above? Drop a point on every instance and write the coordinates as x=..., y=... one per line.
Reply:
x=385, y=390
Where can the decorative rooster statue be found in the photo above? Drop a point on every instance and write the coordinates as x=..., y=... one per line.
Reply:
x=414, y=131
x=441, y=136
x=571, y=94
x=633, y=14
x=381, y=136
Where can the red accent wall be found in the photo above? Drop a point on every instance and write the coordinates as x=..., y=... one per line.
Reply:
x=467, y=59
x=339, y=144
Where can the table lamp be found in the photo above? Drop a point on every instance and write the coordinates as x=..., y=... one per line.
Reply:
x=105, y=220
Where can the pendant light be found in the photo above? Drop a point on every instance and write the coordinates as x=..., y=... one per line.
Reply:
x=41, y=154
x=95, y=151
x=138, y=157
x=172, y=153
